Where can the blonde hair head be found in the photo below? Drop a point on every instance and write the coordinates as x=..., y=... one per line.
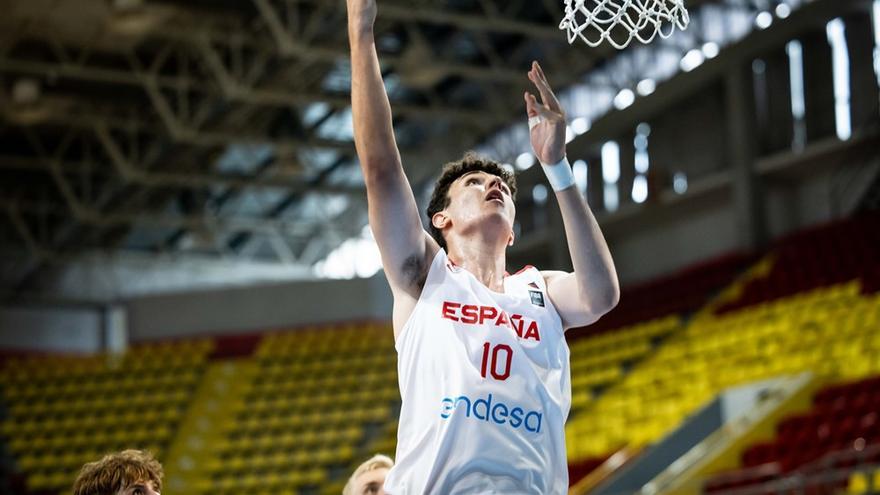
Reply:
x=117, y=471
x=378, y=461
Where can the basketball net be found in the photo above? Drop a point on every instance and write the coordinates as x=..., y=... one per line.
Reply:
x=594, y=20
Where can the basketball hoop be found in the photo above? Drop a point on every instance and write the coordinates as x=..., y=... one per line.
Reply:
x=594, y=20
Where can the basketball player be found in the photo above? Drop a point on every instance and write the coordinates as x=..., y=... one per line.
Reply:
x=369, y=477
x=482, y=359
x=130, y=472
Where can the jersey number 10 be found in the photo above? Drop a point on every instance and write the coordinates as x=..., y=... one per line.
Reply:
x=501, y=354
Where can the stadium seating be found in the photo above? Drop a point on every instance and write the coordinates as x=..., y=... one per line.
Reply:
x=599, y=361
x=840, y=431
x=809, y=307
x=63, y=412
x=864, y=482
x=825, y=255
x=320, y=400
x=649, y=313
x=680, y=293
x=828, y=331
x=313, y=402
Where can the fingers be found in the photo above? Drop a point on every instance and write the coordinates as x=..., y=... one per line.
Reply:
x=536, y=75
x=543, y=86
x=547, y=95
x=531, y=104
x=540, y=70
x=535, y=109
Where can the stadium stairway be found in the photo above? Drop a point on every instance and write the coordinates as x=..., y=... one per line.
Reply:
x=590, y=454
x=791, y=300
x=848, y=353
x=590, y=472
x=822, y=450
x=66, y=411
x=827, y=331
x=722, y=449
x=605, y=352
x=290, y=413
x=220, y=394
x=703, y=436
x=312, y=399
x=301, y=408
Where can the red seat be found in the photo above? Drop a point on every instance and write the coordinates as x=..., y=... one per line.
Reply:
x=758, y=454
x=825, y=255
x=869, y=426
x=843, y=422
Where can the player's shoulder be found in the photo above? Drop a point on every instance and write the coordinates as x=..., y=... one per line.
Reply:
x=533, y=271
x=551, y=274
x=525, y=269
x=531, y=275
x=548, y=276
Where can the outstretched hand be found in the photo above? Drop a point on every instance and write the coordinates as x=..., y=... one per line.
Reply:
x=361, y=15
x=548, y=135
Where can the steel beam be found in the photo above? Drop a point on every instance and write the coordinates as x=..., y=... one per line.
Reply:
x=231, y=89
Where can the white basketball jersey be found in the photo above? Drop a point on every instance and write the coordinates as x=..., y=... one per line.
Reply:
x=486, y=388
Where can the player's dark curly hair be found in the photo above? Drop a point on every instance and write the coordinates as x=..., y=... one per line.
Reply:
x=115, y=472
x=470, y=162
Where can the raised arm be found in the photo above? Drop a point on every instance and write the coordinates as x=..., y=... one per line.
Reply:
x=405, y=247
x=592, y=289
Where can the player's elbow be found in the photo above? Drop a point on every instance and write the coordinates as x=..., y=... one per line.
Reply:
x=612, y=298
x=380, y=171
x=603, y=300
x=606, y=302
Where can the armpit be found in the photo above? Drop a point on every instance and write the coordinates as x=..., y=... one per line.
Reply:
x=414, y=271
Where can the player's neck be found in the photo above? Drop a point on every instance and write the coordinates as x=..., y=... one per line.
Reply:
x=485, y=261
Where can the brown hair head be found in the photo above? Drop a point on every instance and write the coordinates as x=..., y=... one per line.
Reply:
x=117, y=471
x=470, y=162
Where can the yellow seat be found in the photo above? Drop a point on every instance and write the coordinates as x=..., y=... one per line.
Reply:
x=859, y=483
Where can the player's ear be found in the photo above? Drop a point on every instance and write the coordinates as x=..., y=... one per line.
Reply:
x=440, y=220
x=511, y=239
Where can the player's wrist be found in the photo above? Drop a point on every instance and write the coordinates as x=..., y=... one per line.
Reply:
x=559, y=174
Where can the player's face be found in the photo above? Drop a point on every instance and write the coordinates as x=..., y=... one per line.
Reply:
x=479, y=195
x=371, y=482
x=140, y=488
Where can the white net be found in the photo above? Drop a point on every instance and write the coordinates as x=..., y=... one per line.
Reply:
x=618, y=22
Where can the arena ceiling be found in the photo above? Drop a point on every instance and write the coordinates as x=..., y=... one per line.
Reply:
x=220, y=129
